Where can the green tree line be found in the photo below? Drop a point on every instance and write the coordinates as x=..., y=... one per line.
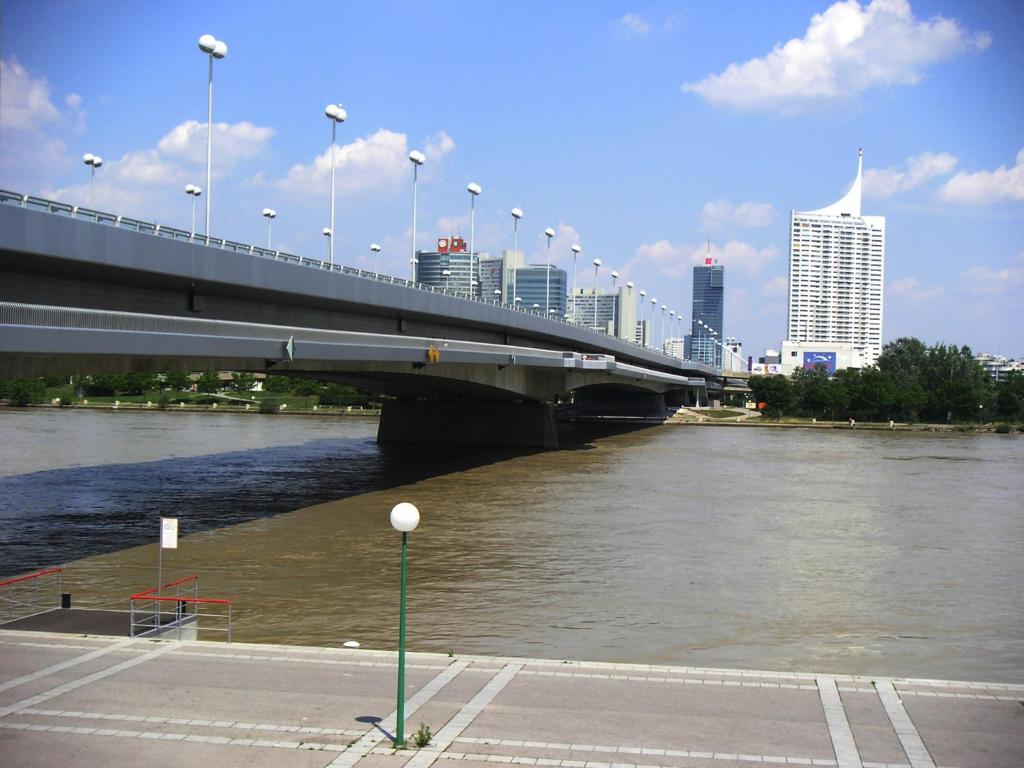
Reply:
x=37, y=390
x=910, y=382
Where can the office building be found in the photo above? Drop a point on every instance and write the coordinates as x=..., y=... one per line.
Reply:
x=836, y=270
x=534, y=288
x=703, y=342
x=615, y=312
x=452, y=256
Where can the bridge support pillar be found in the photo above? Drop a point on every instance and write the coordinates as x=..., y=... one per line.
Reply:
x=521, y=425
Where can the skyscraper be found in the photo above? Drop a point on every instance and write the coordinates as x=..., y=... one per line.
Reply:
x=836, y=264
x=708, y=315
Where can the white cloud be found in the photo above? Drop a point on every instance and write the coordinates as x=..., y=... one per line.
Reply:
x=632, y=25
x=910, y=289
x=378, y=162
x=777, y=286
x=674, y=260
x=846, y=50
x=984, y=187
x=231, y=142
x=721, y=213
x=25, y=103
x=886, y=182
x=993, y=280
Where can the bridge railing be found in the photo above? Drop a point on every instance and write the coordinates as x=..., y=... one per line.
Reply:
x=145, y=227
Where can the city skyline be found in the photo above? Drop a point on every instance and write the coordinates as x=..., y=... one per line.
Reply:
x=728, y=144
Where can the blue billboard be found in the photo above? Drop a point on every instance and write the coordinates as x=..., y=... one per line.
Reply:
x=826, y=360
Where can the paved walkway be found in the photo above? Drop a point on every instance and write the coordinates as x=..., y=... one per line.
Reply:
x=101, y=701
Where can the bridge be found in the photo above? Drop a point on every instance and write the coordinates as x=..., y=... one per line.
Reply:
x=83, y=291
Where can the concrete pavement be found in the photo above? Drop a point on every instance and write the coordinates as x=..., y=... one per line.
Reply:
x=102, y=701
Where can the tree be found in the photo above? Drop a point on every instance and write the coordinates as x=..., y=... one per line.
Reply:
x=1009, y=397
x=177, y=380
x=138, y=383
x=956, y=384
x=911, y=401
x=209, y=382
x=877, y=395
x=810, y=390
x=243, y=382
x=23, y=392
x=775, y=391
x=904, y=361
x=305, y=387
x=278, y=384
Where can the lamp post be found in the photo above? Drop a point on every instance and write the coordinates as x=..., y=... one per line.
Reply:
x=548, y=233
x=94, y=162
x=643, y=336
x=404, y=517
x=497, y=295
x=193, y=191
x=474, y=190
x=671, y=324
x=269, y=214
x=663, y=308
x=215, y=49
x=597, y=268
x=654, y=316
x=575, y=252
x=629, y=285
x=329, y=234
x=336, y=114
x=417, y=159
x=446, y=274
x=517, y=214
x=375, y=250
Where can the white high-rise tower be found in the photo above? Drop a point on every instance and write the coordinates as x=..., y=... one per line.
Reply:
x=836, y=267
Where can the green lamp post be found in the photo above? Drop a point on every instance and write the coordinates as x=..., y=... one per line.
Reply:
x=404, y=517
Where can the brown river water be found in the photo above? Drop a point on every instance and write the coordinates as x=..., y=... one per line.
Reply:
x=823, y=550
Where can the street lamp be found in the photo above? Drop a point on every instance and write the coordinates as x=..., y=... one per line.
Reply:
x=663, y=308
x=336, y=114
x=375, y=249
x=597, y=268
x=474, y=190
x=94, y=162
x=654, y=317
x=269, y=214
x=632, y=331
x=417, y=159
x=497, y=295
x=446, y=274
x=575, y=252
x=548, y=233
x=216, y=49
x=193, y=191
x=404, y=517
x=643, y=336
x=329, y=234
x=671, y=324
x=517, y=214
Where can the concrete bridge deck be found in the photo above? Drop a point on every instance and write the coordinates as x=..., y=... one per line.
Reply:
x=101, y=701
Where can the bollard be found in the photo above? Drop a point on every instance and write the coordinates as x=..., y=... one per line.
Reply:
x=65, y=600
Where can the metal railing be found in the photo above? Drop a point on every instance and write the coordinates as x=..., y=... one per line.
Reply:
x=22, y=595
x=150, y=616
x=159, y=230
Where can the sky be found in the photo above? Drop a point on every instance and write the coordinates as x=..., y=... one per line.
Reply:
x=639, y=130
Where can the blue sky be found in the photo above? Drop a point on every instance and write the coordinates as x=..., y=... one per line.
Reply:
x=640, y=130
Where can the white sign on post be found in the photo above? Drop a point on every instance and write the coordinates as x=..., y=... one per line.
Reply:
x=168, y=533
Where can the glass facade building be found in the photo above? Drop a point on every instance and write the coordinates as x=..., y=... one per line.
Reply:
x=533, y=288
x=708, y=306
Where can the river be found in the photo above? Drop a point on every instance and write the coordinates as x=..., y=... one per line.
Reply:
x=852, y=551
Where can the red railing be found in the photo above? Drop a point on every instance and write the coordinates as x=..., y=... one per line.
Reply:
x=14, y=599
x=149, y=618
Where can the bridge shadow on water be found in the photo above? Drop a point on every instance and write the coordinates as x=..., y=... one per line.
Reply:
x=56, y=516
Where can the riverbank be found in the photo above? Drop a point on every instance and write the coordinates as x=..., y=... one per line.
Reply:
x=218, y=407
x=110, y=701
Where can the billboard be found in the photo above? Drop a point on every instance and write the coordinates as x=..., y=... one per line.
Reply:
x=826, y=360
x=451, y=245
